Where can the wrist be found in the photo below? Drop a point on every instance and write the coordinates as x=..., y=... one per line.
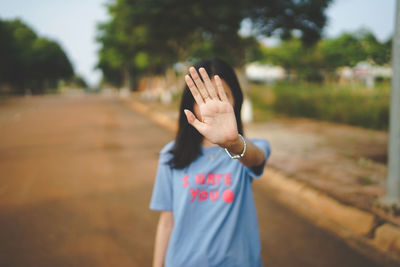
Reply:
x=237, y=146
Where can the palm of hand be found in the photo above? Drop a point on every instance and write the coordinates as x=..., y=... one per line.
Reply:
x=218, y=121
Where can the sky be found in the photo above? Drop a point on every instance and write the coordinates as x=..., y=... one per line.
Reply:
x=73, y=24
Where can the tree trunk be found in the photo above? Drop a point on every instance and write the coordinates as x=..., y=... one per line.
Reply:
x=126, y=82
x=247, y=108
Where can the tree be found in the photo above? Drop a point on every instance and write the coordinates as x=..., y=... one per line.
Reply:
x=16, y=50
x=29, y=61
x=281, y=17
x=343, y=51
x=297, y=60
x=351, y=48
x=49, y=64
x=148, y=36
x=78, y=81
x=377, y=52
x=314, y=62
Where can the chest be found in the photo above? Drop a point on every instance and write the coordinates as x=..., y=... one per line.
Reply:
x=216, y=182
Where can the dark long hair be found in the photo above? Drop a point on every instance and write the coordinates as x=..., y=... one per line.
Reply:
x=188, y=140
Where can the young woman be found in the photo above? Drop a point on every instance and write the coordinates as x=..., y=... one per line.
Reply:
x=203, y=186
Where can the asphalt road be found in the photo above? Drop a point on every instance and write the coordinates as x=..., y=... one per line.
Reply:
x=76, y=175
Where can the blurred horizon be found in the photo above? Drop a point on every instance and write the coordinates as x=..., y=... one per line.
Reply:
x=75, y=26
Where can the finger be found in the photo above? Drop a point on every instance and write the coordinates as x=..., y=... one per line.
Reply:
x=192, y=120
x=220, y=88
x=199, y=83
x=193, y=89
x=209, y=86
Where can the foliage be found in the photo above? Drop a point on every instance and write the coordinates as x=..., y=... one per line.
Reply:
x=351, y=48
x=313, y=63
x=281, y=17
x=79, y=82
x=29, y=61
x=354, y=105
x=376, y=51
x=295, y=58
x=147, y=36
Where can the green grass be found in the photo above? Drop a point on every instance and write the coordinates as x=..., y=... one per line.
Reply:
x=349, y=104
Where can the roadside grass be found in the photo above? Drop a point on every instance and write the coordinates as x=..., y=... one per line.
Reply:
x=352, y=104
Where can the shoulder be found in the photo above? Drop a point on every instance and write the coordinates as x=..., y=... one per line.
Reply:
x=168, y=147
x=165, y=153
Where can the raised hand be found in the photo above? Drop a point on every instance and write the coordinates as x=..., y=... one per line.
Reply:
x=218, y=121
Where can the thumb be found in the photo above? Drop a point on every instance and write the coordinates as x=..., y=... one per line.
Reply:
x=192, y=120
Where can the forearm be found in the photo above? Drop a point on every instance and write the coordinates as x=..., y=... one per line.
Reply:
x=253, y=155
x=164, y=229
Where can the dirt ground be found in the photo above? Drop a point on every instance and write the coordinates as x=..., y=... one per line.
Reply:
x=76, y=179
x=345, y=162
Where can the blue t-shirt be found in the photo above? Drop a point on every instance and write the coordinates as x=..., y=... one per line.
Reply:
x=215, y=221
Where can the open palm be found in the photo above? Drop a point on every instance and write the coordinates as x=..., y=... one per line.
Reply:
x=218, y=121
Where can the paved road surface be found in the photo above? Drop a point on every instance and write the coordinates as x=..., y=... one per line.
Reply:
x=76, y=174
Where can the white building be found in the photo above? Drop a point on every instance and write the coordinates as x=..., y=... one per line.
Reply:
x=267, y=73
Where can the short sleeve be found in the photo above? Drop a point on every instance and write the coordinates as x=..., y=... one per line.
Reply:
x=265, y=146
x=161, y=198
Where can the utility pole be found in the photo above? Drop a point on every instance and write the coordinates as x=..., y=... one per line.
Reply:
x=392, y=198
